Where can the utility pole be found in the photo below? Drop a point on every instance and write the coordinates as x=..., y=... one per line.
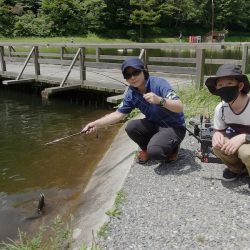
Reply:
x=212, y=21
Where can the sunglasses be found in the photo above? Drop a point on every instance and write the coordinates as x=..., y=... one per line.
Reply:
x=128, y=75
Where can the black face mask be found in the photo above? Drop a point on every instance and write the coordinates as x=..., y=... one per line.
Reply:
x=228, y=94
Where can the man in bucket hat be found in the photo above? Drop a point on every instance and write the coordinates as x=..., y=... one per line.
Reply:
x=231, y=120
x=162, y=130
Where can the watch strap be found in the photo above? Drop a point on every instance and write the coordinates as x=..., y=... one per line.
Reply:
x=162, y=102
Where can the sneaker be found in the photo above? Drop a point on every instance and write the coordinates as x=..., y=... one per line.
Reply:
x=142, y=157
x=173, y=156
x=229, y=175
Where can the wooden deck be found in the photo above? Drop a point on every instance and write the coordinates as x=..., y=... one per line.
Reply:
x=68, y=66
x=106, y=80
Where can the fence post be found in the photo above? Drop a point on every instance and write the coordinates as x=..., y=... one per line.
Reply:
x=146, y=58
x=82, y=65
x=125, y=52
x=200, y=66
x=62, y=54
x=244, y=58
x=3, y=64
x=36, y=62
x=97, y=54
x=9, y=48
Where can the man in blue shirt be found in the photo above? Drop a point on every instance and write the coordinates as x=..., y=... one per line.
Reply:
x=162, y=130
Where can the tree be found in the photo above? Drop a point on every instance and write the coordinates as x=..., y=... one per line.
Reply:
x=180, y=12
x=144, y=12
x=94, y=14
x=32, y=25
x=32, y=5
x=66, y=15
x=7, y=19
x=227, y=13
x=117, y=17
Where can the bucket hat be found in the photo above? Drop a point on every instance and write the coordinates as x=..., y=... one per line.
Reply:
x=228, y=70
x=135, y=63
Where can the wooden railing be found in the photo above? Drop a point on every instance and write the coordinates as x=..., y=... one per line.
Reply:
x=72, y=54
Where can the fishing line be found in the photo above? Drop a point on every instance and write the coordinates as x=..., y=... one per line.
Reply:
x=128, y=86
x=63, y=138
x=164, y=122
x=75, y=134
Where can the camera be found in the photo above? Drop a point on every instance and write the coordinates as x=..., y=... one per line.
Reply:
x=203, y=132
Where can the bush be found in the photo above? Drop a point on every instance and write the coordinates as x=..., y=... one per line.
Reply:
x=30, y=25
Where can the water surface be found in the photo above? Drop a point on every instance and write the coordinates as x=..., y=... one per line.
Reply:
x=28, y=167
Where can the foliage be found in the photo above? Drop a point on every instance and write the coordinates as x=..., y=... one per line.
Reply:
x=30, y=25
x=133, y=114
x=145, y=12
x=198, y=101
x=116, y=210
x=94, y=12
x=66, y=15
x=103, y=231
x=226, y=16
x=7, y=19
x=60, y=237
x=121, y=18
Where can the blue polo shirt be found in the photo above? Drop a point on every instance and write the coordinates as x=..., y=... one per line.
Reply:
x=153, y=112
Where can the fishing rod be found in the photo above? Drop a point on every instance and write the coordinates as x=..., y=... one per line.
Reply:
x=115, y=79
x=127, y=85
x=63, y=138
x=75, y=134
x=205, y=142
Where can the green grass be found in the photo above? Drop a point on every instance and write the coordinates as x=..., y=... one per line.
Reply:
x=103, y=231
x=60, y=237
x=116, y=210
x=93, y=38
x=198, y=101
x=88, y=39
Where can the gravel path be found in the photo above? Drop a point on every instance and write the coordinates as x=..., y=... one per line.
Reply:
x=181, y=205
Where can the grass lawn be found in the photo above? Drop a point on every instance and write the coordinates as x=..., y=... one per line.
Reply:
x=92, y=38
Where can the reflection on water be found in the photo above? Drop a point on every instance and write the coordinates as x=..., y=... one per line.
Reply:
x=28, y=167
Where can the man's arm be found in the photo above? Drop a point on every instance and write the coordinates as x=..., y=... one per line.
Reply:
x=111, y=118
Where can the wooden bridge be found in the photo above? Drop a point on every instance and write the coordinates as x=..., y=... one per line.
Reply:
x=70, y=66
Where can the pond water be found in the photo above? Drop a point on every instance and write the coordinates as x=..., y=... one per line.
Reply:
x=28, y=167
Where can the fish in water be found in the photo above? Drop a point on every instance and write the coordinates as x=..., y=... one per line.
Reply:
x=39, y=210
x=41, y=203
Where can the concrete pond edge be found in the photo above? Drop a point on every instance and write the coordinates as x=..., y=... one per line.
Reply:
x=100, y=193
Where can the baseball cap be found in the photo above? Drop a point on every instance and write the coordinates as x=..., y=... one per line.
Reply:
x=135, y=63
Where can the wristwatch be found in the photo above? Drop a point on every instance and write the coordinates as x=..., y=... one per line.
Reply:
x=162, y=102
x=247, y=138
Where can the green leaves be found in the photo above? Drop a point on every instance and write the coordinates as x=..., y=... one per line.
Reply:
x=122, y=18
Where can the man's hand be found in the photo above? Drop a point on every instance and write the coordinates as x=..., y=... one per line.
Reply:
x=152, y=98
x=89, y=128
x=218, y=140
x=232, y=145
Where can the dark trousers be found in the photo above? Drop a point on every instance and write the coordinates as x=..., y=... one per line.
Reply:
x=158, y=141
